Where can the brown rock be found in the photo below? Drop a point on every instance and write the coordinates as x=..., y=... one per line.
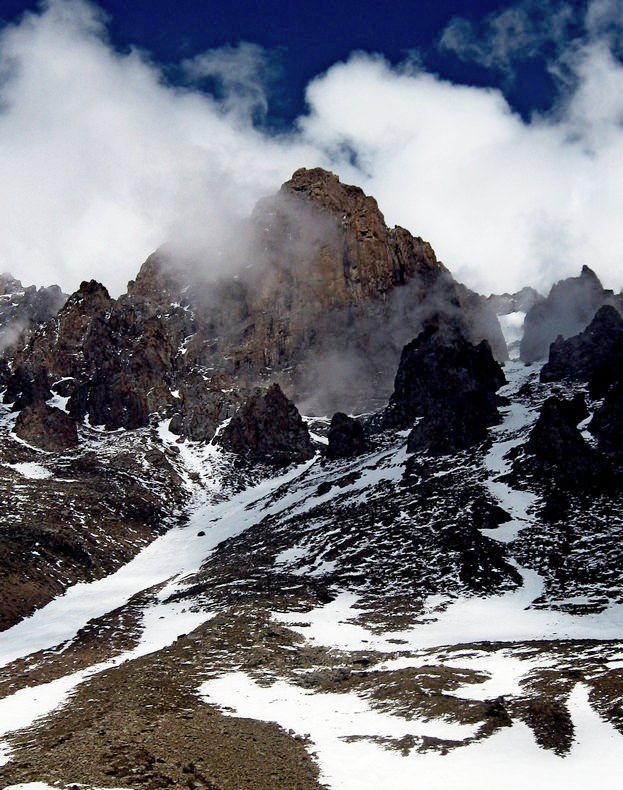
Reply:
x=46, y=427
x=268, y=428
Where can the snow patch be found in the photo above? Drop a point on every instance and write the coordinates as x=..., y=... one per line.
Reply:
x=32, y=470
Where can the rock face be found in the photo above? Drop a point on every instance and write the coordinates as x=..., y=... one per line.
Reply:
x=557, y=451
x=332, y=296
x=449, y=383
x=567, y=310
x=46, y=427
x=607, y=423
x=326, y=295
x=24, y=309
x=520, y=302
x=346, y=437
x=595, y=355
x=268, y=428
x=113, y=359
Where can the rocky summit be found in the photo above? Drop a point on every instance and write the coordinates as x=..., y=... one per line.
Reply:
x=297, y=521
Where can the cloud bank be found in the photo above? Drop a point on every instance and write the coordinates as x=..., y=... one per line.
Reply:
x=102, y=160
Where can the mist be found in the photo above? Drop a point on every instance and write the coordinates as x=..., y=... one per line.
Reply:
x=104, y=161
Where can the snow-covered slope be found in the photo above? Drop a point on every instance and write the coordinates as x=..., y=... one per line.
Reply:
x=388, y=612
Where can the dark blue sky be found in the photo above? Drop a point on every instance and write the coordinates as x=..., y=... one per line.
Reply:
x=308, y=37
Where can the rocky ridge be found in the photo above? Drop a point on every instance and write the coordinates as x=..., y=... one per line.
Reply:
x=474, y=499
x=23, y=309
x=568, y=309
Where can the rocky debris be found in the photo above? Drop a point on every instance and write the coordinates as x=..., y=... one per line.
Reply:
x=23, y=309
x=46, y=427
x=346, y=437
x=91, y=513
x=449, y=384
x=595, y=355
x=268, y=428
x=567, y=310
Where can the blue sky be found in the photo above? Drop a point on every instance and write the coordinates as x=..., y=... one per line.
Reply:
x=494, y=130
x=303, y=39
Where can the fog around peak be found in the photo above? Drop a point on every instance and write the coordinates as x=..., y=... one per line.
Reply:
x=104, y=160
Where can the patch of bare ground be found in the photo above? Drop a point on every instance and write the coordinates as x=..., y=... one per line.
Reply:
x=142, y=724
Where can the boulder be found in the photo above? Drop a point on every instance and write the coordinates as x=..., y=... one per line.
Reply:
x=346, y=437
x=268, y=428
x=556, y=450
x=46, y=427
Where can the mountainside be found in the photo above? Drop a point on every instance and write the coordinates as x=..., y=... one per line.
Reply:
x=417, y=589
x=567, y=309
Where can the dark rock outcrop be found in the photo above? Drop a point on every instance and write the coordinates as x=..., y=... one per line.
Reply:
x=46, y=427
x=26, y=386
x=595, y=355
x=557, y=451
x=23, y=309
x=450, y=384
x=346, y=437
x=114, y=357
x=202, y=409
x=567, y=310
x=268, y=428
x=607, y=423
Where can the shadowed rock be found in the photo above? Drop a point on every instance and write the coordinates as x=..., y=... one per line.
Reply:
x=346, y=437
x=595, y=355
x=607, y=423
x=23, y=309
x=450, y=384
x=268, y=428
x=567, y=310
x=556, y=450
x=46, y=427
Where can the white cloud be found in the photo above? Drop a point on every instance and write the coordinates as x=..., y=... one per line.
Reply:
x=102, y=160
x=513, y=34
x=242, y=74
x=504, y=202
